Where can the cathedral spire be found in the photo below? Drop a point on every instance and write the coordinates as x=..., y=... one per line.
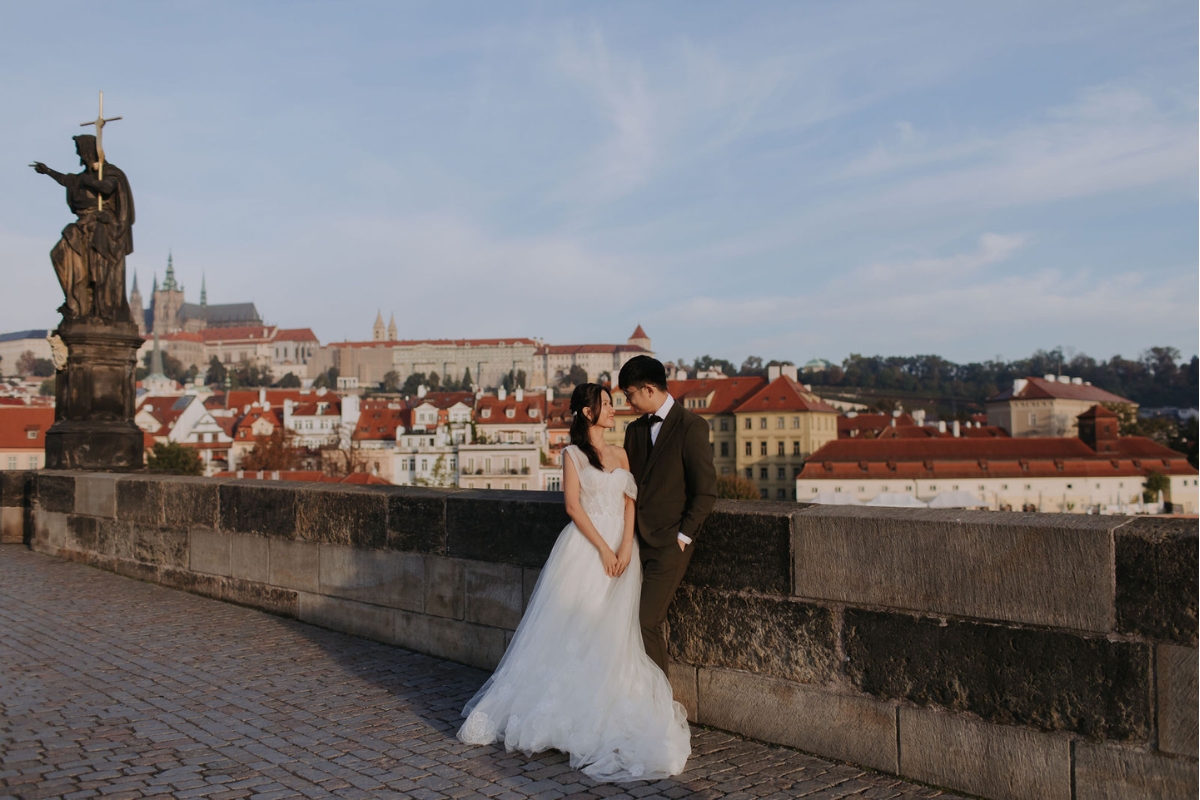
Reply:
x=203, y=291
x=154, y=288
x=169, y=281
x=134, y=290
x=377, y=330
x=391, y=331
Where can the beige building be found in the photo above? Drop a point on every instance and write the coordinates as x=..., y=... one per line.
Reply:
x=778, y=427
x=23, y=436
x=489, y=360
x=14, y=345
x=601, y=362
x=1047, y=406
x=515, y=467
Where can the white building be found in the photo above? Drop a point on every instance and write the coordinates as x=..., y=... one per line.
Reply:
x=500, y=466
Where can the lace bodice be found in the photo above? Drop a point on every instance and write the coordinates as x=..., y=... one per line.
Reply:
x=601, y=492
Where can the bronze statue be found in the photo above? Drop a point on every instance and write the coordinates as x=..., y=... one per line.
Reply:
x=90, y=256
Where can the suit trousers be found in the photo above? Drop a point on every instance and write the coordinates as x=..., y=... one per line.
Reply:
x=662, y=572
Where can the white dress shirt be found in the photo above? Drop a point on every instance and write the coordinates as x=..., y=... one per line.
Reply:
x=662, y=412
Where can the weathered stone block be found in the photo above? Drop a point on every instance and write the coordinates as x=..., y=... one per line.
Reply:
x=504, y=527
x=192, y=502
x=140, y=498
x=83, y=533
x=156, y=545
x=50, y=531
x=476, y=645
x=115, y=538
x=209, y=551
x=249, y=557
x=855, y=729
x=529, y=579
x=187, y=581
x=417, y=519
x=683, y=683
x=776, y=636
x=380, y=577
x=1105, y=772
x=1040, y=569
x=1044, y=679
x=56, y=492
x=96, y=494
x=995, y=761
x=494, y=594
x=1175, y=679
x=1157, y=579
x=342, y=515
x=348, y=616
x=17, y=488
x=745, y=545
x=445, y=587
x=295, y=565
x=252, y=507
x=274, y=599
x=12, y=525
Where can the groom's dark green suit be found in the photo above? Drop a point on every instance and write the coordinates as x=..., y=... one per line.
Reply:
x=677, y=486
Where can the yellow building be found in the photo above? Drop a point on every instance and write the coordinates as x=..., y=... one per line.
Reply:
x=778, y=427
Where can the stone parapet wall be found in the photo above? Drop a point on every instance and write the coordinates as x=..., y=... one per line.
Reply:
x=1005, y=655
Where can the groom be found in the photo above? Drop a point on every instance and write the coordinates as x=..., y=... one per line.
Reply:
x=671, y=460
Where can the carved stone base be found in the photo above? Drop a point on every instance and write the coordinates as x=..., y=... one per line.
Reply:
x=95, y=392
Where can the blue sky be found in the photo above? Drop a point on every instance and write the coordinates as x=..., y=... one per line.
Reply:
x=791, y=179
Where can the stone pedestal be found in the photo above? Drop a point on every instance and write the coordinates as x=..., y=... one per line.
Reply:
x=95, y=393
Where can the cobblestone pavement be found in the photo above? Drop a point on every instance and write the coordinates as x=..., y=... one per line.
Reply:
x=114, y=688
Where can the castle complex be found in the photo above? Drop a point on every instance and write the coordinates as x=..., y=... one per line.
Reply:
x=170, y=313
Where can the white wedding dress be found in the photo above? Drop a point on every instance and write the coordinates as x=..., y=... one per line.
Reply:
x=576, y=676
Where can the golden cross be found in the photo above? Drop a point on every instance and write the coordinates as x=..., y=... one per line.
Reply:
x=99, y=122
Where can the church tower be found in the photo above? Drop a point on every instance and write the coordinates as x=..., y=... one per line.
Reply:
x=392, y=329
x=377, y=332
x=203, y=290
x=168, y=300
x=135, y=307
x=640, y=339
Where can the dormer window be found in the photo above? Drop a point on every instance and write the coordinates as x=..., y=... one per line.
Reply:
x=510, y=412
x=533, y=412
x=487, y=412
x=31, y=433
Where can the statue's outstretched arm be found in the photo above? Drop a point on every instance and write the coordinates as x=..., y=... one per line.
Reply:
x=42, y=169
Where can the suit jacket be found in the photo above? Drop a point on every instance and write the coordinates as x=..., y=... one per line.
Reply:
x=677, y=483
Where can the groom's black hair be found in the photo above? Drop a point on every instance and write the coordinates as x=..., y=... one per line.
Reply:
x=641, y=371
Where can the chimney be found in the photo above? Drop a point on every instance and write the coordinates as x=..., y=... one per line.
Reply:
x=788, y=369
x=941, y=426
x=501, y=394
x=1077, y=381
x=422, y=390
x=1019, y=385
x=851, y=414
x=957, y=429
x=1051, y=377
x=262, y=397
x=772, y=373
x=519, y=393
x=918, y=416
x=549, y=394
x=287, y=413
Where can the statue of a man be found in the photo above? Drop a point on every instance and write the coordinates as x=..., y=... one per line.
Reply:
x=90, y=256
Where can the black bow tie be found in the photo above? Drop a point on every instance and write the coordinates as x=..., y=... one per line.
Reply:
x=653, y=419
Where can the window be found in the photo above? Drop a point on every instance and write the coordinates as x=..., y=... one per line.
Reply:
x=749, y=473
x=762, y=448
x=779, y=448
x=749, y=423
x=724, y=470
x=781, y=494
x=31, y=433
x=779, y=423
x=12, y=462
x=763, y=493
x=862, y=488
x=1004, y=486
x=1033, y=418
x=1027, y=487
x=725, y=448
x=782, y=474
x=510, y=412
x=33, y=462
x=508, y=486
x=749, y=449
x=795, y=422
x=524, y=486
x=762, y=473
x=554, y=484
x=795, y=448
x=1069, y=486
x=424, y=465
x=795, y=472
x=724, y=424
x=485, y=413
x=762, y=423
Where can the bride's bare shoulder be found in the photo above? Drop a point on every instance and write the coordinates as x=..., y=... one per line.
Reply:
x=621, y=456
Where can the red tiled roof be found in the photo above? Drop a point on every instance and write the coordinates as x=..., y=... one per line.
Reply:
x=721, y=395
x=638, y=333
x=579, y=349
x=256, y=333
x=313, y=408
x=380, y=423
x=17, y=421
x=871, y=422
x=996, y=458
x=296, y=335
x=444, y=400
x=178, y=336
x=240, y=398
x=785, y=394
x=498, y=409
x=1036, y=388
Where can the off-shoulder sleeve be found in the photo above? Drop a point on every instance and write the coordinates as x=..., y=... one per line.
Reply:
x=630, y=485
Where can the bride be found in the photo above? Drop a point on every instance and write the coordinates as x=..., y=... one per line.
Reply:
x=576, y=676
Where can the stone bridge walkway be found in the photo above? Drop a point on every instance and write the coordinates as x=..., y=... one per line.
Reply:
x=114, y=688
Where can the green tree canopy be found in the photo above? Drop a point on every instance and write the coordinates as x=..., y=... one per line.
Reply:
x=175, y=458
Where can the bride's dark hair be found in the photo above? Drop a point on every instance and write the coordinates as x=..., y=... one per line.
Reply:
x=587, y=395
